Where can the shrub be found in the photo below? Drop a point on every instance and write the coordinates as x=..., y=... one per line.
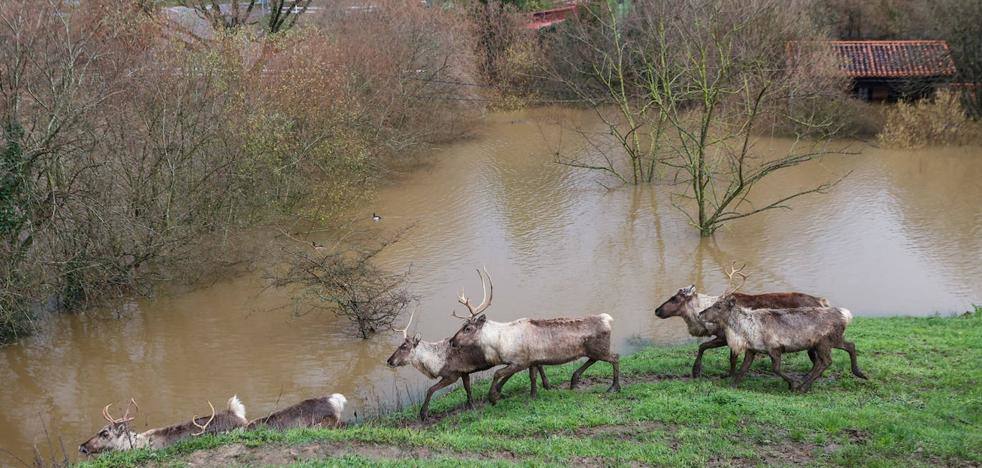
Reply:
x=507, y=53
x=347, y=283
x=938, y=121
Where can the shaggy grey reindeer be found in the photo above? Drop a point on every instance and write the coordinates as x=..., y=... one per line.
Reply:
x=313, y=412
x=777, y=331
x=436, y=359
x=525, y=343
x=687, y=303
x=117, y=436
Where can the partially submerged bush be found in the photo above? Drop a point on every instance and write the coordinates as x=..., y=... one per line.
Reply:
x=347, y=283
x=506, y=51
x=941, y=120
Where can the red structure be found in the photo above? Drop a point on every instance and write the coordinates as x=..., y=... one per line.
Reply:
x=546, y=18
x=886, y=70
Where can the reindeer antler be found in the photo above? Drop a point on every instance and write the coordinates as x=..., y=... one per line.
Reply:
x=126, y=415
x=488, y=294
x=734, y=271
x=405, y=331
x=205, y=426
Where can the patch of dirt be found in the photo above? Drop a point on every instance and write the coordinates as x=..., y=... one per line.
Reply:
x=239, y=454
x=622, y=431
x=587, y=382
x=781, y=453
x=856, y=436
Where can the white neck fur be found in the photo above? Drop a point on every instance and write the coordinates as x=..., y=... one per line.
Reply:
x=429, y=357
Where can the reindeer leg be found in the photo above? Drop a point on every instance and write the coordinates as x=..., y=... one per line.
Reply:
x=614, y=361
x=466, y=379
x=425, y=410
x=575, y=381
x=748, y=359
x=850, y=348
x=545, y=381
x=500, y=377
x=823, y=356
x=734, y=357
x=504, y=380
x=776, y=364
x=532, y=374
x=716, y=342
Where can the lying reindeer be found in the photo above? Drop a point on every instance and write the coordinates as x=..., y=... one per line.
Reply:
x=117, y=435
x=687, y=303
x=436, y=359
x=777, y=331
x=525, y=343
x=314, y=412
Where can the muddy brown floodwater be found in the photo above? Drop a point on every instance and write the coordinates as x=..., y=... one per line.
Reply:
x=901, y=235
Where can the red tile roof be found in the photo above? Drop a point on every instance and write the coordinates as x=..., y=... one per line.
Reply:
x=894, y=59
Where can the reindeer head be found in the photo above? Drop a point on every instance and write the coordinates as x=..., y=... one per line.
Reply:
x=676, y=304
x=401, y=355
x=727, y=302
x=716, y=312
x=114, y=436
x=468, y=333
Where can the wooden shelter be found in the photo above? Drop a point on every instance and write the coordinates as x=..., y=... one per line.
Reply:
x=889, y=70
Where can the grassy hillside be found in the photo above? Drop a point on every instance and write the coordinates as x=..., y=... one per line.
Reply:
x=922, y=406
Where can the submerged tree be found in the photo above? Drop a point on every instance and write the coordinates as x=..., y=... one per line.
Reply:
x=691, y=84
x=348, y=283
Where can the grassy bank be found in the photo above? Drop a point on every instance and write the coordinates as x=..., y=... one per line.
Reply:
x=922, y=406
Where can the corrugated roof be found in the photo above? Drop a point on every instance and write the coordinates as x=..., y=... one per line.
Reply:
x=894, y=59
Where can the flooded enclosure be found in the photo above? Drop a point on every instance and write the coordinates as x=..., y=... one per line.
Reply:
x=902, y=234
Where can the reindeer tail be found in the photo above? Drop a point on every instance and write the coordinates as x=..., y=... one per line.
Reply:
x=338, y=401
x=236, y=407
x=606, y=319
x=846, y=315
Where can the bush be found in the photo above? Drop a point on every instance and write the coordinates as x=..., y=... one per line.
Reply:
x=347, y=283
x=941, y=120
x=154, y=147
x=507, y=53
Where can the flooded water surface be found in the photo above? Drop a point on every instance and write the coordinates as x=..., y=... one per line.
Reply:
x=902, y=234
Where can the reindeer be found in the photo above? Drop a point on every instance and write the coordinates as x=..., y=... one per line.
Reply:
x=778, y=331
x=525, y=343
x=314, y=412
x=436, y=359
x=687, y=303
x=117, y=435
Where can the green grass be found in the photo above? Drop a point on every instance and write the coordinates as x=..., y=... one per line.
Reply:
x=922, y=406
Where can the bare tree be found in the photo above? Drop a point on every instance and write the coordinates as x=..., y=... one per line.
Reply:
x=691, y=84
x=232, y=14
x=346, y=282
x=599, y=60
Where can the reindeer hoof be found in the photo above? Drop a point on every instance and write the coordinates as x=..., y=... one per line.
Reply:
x=696, y=372
x=614, y=388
